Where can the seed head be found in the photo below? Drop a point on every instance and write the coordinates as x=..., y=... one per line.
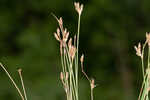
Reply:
x=72, y=52
x=70, y=43
x=138, y=50
x=19, y=70
x=82, y=58
x=148, y=38
x=65, y=36
x=60, y=21
x=92, y=84
x=57, y=35
x=61, y=76
x=78, y=7
x=58, y=32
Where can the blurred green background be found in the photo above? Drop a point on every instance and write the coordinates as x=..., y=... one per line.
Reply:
x=109, y=30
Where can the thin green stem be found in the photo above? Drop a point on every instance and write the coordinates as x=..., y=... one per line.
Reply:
x=92, y=94
x=142, y=68
x=12, y=81
x=142, y=59
x=62, y=63
x=143, y=87
x=69, y=64
x=148, y=57
x=77, y=55
x=20, y=74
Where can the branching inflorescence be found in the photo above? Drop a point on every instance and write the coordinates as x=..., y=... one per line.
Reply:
x=69, y=59
x=145, y=68
x=69, y=51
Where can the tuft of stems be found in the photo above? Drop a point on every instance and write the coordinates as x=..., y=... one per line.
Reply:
x=69, y=52
x=145, y=69
x=23, y=97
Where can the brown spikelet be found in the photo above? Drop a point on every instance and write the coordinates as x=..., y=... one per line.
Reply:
x=72, y=51
x=148, y=38
x=92, y=83
x=61, y=76
x=78, y=7
x=60, y=21
x=65, y=37
x=70, y=43
x=58, y=32
x=19, y=70
x=82, y=58
x=138, y=50
x=57, y=37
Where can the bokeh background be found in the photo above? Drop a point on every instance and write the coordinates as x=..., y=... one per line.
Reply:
x=109, y=30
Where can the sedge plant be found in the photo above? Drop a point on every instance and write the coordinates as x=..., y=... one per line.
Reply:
x=145, y=62
x=69, y=53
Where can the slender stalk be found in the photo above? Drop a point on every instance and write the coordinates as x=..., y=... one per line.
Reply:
x=62, y=63
x=148, y=57
x=12, y=81
x=20, y=74
x=92, y=94
x=143, y=87
x=142, y=59
x=78, y=34
x=69, y=64
x=77, y=54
